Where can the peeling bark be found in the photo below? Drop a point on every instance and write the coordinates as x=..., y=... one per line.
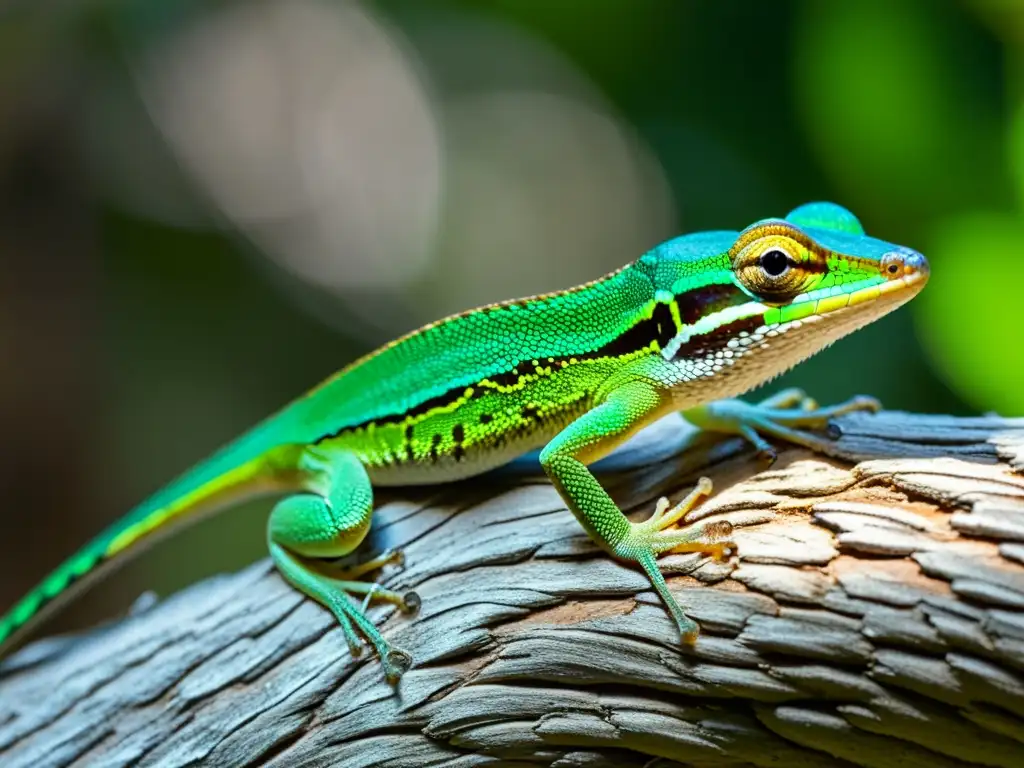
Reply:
x=874, y=616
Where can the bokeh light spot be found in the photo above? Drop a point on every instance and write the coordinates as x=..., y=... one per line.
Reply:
x=308, y=126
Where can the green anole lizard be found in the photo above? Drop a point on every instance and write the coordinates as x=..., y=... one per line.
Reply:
x=693, y=322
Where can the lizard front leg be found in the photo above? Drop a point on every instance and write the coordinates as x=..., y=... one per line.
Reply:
x=330, y=521
x=780, y=416
x=594, y=434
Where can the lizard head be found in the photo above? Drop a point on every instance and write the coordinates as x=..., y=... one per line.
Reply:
x=753, y=304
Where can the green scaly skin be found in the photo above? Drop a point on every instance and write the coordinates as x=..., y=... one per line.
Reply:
x=696, y=320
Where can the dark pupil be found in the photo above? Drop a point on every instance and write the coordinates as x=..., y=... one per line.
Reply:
x=774, y=262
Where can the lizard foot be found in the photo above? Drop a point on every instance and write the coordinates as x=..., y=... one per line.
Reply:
x=396, y=661
x=785, y=416
x=650, y=538
x=348, y=577
x=342, y=597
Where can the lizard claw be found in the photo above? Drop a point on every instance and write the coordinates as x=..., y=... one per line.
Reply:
x=410, y=602
x=396, y=663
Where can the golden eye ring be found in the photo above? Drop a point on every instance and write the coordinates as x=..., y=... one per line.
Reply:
x=771, y=268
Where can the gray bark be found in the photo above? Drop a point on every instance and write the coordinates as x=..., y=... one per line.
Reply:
x=874, y=616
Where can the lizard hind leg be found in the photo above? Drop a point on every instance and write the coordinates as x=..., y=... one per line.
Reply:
x=330, y=521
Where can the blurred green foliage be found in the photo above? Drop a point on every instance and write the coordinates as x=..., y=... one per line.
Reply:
x=923, y=135
x=909, y=112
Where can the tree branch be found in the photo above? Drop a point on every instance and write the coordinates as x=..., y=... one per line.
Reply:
x=873, y=617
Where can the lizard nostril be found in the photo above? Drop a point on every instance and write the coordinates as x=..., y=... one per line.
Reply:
x=916, y=263
x=896, y=264
x=892, y=264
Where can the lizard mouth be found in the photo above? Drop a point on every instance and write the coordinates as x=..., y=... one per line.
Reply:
x=900, y=275
x=905, y=273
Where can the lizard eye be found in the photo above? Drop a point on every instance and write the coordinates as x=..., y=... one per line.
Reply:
x=775, y=268
x=774, y=262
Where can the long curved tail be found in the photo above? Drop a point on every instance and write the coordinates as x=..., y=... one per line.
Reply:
x=227, y=476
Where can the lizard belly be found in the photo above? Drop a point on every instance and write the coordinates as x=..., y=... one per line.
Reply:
x=485, y=427
x=476, y=460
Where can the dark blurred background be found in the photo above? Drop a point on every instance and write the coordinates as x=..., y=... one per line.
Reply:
x=206, y=207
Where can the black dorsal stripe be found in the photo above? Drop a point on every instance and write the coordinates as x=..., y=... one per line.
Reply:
x=659, y=327
x=438, y=401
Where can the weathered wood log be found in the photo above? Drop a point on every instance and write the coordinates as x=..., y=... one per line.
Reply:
x=874, y=616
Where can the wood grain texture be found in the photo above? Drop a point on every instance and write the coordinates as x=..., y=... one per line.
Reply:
x=874, y=616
